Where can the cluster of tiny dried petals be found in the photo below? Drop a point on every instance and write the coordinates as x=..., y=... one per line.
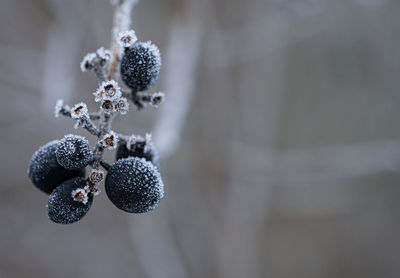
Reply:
x=88, y=62
x=109, y=140
x=103, y=55
x=81, y=195
x=127, y=38
x=96, y=175
x=79, y=111
x=91, y=60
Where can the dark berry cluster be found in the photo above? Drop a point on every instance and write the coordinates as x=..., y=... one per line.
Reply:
x=133, y=182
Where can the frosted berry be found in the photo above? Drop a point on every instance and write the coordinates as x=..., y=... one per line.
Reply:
x=74, y=152
x=134, y=185
x=141, y=65
x=44, y=170
x=149, y=153
x=63, y=207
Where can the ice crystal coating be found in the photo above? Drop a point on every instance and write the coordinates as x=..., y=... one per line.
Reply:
x=134, y=185
x=107, y=106
x=96, y=175
x=74, y=152
x=108, y=91
x=156, y=99
x=130, y=144
x=88, y=62
x=141, y=65
x=58, y=108
x=79, y=111
x=62, y=207
x=109, y=140
x=149, y=153
x=122, y=106
x=44, y=170
x=127, y=38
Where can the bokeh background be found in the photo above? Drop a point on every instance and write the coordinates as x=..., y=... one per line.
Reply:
x=280, y=139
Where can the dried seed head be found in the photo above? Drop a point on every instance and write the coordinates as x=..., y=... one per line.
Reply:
x=156, y=99
x=108, y=91
x=122, y=106
x=80, y=195
x=79, y=111
x=127, y=38
x=96, y=175
x=107, y=106
x=95, y=190
x=88, y=62
x=109, y=141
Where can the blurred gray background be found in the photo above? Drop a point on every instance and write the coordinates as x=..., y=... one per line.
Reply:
x=280, y=139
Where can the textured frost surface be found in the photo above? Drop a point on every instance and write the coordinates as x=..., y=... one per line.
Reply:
x=141, y=65
x=104, y=55
x=127, y=38
x=96, y=175
x=44, y=170
x=74, y=152
x=134, y=185
x=62, y=208
x=122, y=106
x=81, y=195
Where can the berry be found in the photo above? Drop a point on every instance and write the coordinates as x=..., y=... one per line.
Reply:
x=44, y=170
x=69, y=202
x=149, y=153
x=73, y=152
x=141, y=65
x=134, y=185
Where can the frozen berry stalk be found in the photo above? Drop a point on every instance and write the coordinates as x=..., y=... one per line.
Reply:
x=69, y=169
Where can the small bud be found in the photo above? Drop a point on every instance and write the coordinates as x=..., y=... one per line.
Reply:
x=127, y=38
x=156, y=99
x=88, y=62
x=58, y=107
x=79, y=111
x=109, y=141
x=80, y=195
x=96, y=175
x=103, y=55
x=122, y=106
x=130, y=144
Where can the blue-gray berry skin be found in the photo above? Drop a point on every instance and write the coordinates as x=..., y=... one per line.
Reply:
x=62, y=208
x=151, y=153
x=134, y=185
x=74, y=152
x=140, y=66
x=44, y=170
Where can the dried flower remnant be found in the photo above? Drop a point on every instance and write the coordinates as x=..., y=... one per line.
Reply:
x=134, y=183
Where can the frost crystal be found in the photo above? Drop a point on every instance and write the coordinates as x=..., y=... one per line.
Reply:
x=122, y=106
x=148, y=142
x=80, y=195
x=108, y=91
x=58, y=107
x=127, y=38
x=96, y=175
x=74, y=152
x=109, y=140
x=79, y=111
x=156, y=99
x=88, y=62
